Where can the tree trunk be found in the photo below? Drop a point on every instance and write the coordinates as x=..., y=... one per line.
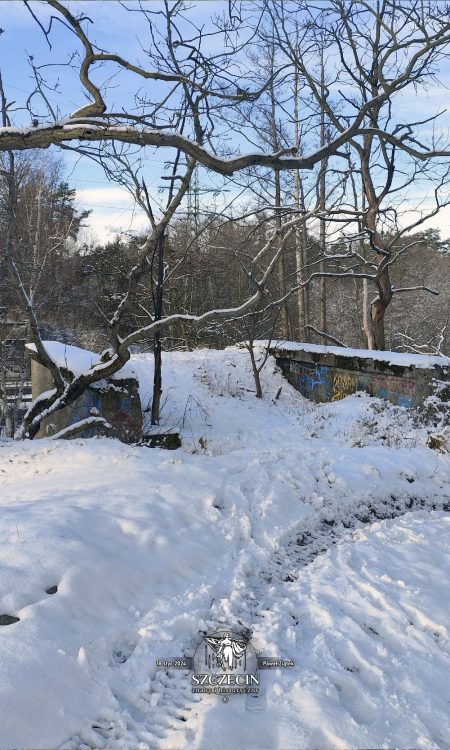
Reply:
x=382, y=280
x=300, y=233
x=322, y=227
x=380, y=305
x=322, y=266
x=157, y=379
x=157, y=348
x=367, y=326
x=255, y=371
x=284, y=317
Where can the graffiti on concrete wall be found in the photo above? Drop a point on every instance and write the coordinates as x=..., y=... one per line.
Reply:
x=320, y=382
x=311, y=380
x=117, y=409
x=81, y=409
x=396, y=389
x=326, y=383
x=343, y=385
x=122, y=417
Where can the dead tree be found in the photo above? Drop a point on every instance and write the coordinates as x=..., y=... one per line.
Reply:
x=182, y=74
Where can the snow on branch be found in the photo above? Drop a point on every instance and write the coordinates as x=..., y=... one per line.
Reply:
x=416, y=289
x=326, y=336
x=97, y=129
x=83, y=424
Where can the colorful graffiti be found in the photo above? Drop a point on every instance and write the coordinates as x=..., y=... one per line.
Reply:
x=343, y=385
x=398, y=390
x=117, y=409
x=81, y=409
x=122, y=417
x=320, y=382
x=311, y=380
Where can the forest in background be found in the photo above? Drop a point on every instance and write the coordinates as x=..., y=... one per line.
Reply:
x=74, y=285
x=297, y=185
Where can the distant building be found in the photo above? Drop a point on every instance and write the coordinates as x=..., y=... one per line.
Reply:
x=14, y=364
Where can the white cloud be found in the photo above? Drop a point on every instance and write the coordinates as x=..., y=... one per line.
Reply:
x=441, y=221
x=105, y=195
x=113, y=210
x=105, y=225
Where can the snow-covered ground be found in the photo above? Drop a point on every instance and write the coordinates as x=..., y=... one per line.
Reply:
x=267, y=518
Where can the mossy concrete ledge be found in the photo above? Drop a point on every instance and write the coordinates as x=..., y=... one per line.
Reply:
x=329, y=373
x=116, y=398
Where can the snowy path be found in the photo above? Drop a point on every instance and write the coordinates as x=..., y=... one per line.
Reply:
x=150, y=548
x=167, y=715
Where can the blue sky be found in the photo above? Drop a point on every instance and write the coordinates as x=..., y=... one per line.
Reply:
x=21, y=37
x=119, y=31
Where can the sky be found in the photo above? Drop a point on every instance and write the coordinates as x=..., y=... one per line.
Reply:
x=113, y=208
x=116, y=30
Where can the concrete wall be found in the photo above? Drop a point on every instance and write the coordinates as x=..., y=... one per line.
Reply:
x=116, y=400
x=329, y=377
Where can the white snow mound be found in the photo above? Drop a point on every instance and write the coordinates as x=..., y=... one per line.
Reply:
x=147, y=548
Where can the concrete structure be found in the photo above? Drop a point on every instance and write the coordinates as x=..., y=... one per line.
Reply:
x=329, y=373
x=116, y=399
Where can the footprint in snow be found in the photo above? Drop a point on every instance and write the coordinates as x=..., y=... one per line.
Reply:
x=353, y=700
x=8, y=619
x=11, y=619
x=122, y=653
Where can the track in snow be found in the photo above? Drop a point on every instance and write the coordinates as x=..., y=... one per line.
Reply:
x=167, y=708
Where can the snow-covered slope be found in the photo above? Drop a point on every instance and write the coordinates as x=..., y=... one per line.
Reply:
x=149, y=547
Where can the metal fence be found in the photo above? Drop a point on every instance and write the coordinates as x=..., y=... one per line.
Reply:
x=18, y=399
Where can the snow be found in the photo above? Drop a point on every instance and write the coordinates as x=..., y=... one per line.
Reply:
x=404, y=359
x=83, y=424
x=78, y=360
x=149, y=547
x=368, y=625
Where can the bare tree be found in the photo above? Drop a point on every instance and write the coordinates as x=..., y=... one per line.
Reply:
x=187, y=80
x=382, y=49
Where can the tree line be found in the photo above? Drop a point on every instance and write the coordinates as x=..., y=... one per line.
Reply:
x=319, y=233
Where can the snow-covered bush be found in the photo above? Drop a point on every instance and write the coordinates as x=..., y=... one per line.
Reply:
x=436, y=415
x=394, y=426
x=436, y=408
x=384, y=424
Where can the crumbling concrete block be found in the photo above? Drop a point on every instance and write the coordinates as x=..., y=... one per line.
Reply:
x=116, y=399
x=329, y=373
